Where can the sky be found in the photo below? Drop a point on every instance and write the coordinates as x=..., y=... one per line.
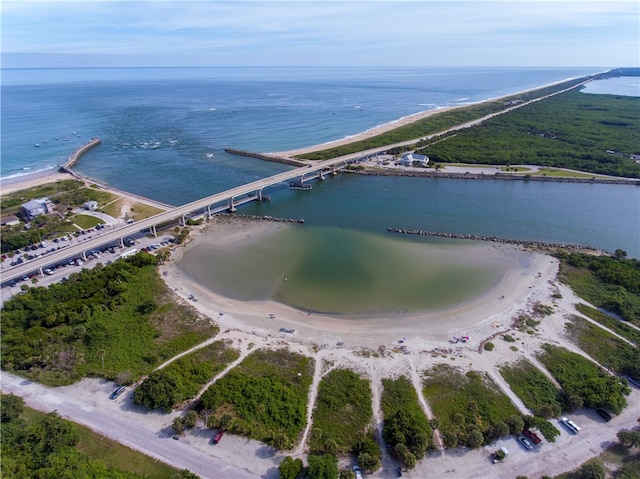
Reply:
x=320, y=33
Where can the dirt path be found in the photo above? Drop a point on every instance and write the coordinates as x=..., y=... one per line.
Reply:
x=311, y=403
x=438, y=443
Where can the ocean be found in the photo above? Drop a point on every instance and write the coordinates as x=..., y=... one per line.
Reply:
x=164, y=131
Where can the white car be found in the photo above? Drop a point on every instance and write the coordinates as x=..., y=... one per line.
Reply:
x=358, y=472
x=572, y=426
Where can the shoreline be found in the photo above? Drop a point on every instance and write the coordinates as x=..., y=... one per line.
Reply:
x=428, y=327
x=405, y=120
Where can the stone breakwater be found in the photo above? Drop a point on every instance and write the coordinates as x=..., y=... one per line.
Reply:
x=261, y=218
x=495, y=239
x=497, y=176
x=73, y=158
x=273, y=158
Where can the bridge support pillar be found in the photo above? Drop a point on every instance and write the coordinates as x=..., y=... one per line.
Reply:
x=121, y=242
x=84, y=255
x=182, y=221
x=321, y=175
x=260, y=194
x=153, y=231
x=209, y=215
x=232, y=206
x=40, y=271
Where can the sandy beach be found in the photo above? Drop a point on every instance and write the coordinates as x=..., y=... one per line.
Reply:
x=405, y=120
x=525, y=274
x=9, y=185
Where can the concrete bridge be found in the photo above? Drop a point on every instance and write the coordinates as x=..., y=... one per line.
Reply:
x=205, y=207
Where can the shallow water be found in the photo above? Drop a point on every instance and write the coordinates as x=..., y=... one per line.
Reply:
x=346, y=272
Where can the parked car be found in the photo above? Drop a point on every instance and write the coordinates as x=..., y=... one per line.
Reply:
x=218, y=437
x=525, y=442
x=604, y=414
x=117, y=392
x=357, y=471
x=572, y=426
x=532, y=436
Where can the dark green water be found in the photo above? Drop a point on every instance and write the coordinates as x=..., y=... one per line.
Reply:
x=340, y=271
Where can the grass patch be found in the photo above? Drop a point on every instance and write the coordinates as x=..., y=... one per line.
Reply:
x=584, y=382
x=537, y=392
x=604, y=347
x=86, y=221
x=404, y=420
x=10, y=203
x=265, y=397
x=343, y=410
x=469, y=406
x=184, y=377
x=135, y=210
x=621, y=327
x=118, y=321
x=608, y=282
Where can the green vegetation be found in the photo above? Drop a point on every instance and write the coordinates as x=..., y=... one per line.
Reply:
x=86, y=221
x=38, y=445
x=471, y=409
x=620, y=327
x=537, y=392
x=609, y=282
x=63, y=194
x=609, y=350
x=117, y=321
x=183, y=378
x=343, y=411
x=489, y=346
x=322, y=467
x=404, y=420
x=584, y=382
x=435, y=123
x=265, y=397
x=548, y=430
x=43, y=228
x=290, y=468
x=570, y=130
x=10, y=203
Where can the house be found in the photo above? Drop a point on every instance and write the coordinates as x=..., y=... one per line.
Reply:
x=90, y=205
x=635, y=157
x=9, y=220
x=37, y=207
x=413, y=159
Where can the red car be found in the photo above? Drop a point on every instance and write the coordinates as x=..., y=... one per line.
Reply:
x=218, y=437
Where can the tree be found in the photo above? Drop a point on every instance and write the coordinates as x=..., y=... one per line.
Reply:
x=11, y=407
x=592, y=470
x=368, y=462
x=191, y=418
x=322, y=467
x=620, y=254
x=515, y=423
x=629, y=438
x=290, y=468
x=178, y=425
x=500, y=429
x=475, y=438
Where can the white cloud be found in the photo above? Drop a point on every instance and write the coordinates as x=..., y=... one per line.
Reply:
x=326, y=32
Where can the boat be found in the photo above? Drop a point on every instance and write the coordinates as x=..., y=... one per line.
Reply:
x=37, y=145
x=299, y=186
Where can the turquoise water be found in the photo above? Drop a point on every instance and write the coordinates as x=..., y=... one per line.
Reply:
x=164, y=132
x=347, y=272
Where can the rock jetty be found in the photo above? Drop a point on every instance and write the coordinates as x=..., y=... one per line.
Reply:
x=273, y=158
x=262, y=218
x=496, y=239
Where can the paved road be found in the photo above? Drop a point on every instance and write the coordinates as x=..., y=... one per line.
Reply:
x=108, y=422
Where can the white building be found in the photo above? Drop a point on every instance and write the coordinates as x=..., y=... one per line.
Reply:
x=90, y=205
x=413, y=159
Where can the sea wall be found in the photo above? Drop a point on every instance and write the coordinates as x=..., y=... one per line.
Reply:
x=273, y=158
x=73, y=158
x=497, y=176
x=496, y=239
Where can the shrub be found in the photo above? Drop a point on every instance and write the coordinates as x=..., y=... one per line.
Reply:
x=489, y=346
